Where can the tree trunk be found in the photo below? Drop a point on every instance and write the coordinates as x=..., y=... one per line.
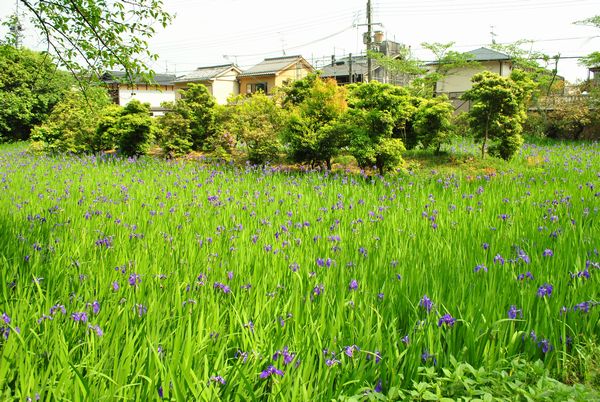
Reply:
x=328, y=162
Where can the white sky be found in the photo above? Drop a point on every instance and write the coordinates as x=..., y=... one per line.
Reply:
x=210, y=32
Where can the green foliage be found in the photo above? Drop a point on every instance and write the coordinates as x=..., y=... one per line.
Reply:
x=130, y=128
x=592, y=59
x=175, y=135
x=433, y=122
x=567, y=120
x=378, y=113
x=311, y=133
x=30, y=86
x=135, y=129
x=106, y=136
x=498, y=110
x=296, y=91
x=98, y=35
x=199, y=109
x=420, y=79
x=71, y=126
x=256, y=123
x=514, y=380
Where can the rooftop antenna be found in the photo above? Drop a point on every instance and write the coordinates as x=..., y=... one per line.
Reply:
x=282, y=39
x=493, y=34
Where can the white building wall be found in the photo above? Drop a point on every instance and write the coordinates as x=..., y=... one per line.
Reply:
x=459, y=80
x=225, y=86
x=152, y=96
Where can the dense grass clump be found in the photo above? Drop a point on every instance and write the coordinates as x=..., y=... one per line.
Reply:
x=139, y=279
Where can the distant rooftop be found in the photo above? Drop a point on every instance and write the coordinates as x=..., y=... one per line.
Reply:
x=207, y=73
x=273, y=65
x=483, y=54
x=119, y=77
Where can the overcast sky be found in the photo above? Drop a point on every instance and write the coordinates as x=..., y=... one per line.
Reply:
x=209, y=32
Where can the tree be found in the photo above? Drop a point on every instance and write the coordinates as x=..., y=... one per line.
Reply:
x=95, y=36
x=311, y=133
x=592, y=59
x=296, y=91
x=433, y=122
x=498, y=110
x=377, y=120
x=71, y=126
x=199, y=109
x=256, y=122
x=131, y=128
x=422, y=77
x=30, y=86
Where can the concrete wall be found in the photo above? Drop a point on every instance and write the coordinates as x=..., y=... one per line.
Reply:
x=459, y=80
x=152, y=94
x=292, y=73
x=225, y=86
x=270, y=80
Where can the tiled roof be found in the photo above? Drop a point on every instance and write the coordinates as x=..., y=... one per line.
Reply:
x=206, y=73
x=485, y=54
x=342, y=67
x=273, y=65
x=114, y=77
x=481, y=54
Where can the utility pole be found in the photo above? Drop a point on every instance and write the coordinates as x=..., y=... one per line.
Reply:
x=369, y=39
x=16, y=27
x=350, y=77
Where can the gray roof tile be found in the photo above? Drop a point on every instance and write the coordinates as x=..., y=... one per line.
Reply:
x=114, y=77
x=206, y=73
x=272, y=66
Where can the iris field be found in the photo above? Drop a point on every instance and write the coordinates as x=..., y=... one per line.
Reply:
x=145, y=279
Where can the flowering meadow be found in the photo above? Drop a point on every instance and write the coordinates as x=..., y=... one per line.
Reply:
x=146, y=280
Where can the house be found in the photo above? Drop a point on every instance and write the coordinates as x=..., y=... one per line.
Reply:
x=221, y=81
x=273, y=72
x=339, y=69
x=594, y=75
x=458, y=80
x=122, y=92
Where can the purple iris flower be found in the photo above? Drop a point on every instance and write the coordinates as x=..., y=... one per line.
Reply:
x=480, y=267
x=217, y=379
x=513, y=311
x=446, y=319
x=353, y=284
x=79, y=317
x=545, y=345
x=5, y=318
x=426, y=303
x=271, y=370
x=548, y=253
x=545, y=290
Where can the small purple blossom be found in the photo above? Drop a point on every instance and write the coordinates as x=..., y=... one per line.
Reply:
x=426, y=303
x=545, y=290
x=79, y=317
x=446, y=319
x=545, y=345
x=353, y=285
x=349, y=350
x=96, y=329
x=548, y=253
x=513, y=311
x=271, y=370
x=217, y=379
x=140, y=309
x=5, y=318
x=134, y=280
x=480, y=267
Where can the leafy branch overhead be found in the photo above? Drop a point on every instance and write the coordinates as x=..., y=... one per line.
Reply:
x=93, y=36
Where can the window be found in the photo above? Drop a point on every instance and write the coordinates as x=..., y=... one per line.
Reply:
x=259, y=86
